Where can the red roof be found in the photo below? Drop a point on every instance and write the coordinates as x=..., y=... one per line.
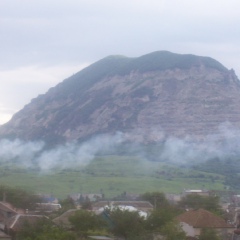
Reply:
x=8, y=207
x=203, y=219
x=17, y=222
x=237, y=231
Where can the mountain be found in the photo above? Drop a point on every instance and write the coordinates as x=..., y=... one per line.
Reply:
x=160, y=93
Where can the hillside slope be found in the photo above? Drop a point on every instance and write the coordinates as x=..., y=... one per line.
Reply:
x=157, y=93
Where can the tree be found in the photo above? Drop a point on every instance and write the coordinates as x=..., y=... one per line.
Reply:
x=66, y=204
x=161, y=221
x=86, y=204
x=157, y=199
x=208, y=233
x=84, y=221
x=210, y=203
x=43, y=229
x=172, y=231
x=19, y=197
x=158, y=218
x=127, y=224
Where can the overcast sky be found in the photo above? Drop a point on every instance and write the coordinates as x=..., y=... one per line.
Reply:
x=42, y=42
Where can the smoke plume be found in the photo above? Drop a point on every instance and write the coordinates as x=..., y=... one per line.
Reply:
x=188, y=151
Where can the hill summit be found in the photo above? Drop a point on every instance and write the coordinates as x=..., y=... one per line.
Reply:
x=160, y=93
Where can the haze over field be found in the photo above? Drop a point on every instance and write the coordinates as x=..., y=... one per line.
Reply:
x=43, y=42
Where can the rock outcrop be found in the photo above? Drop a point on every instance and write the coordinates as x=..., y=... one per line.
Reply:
x=163, y=92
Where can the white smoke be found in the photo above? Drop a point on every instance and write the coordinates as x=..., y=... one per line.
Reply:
x=74, y=155
x=71, y=155
x=22, y=152
x=222, y=145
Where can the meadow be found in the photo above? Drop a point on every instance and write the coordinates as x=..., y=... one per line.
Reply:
x=111, y=175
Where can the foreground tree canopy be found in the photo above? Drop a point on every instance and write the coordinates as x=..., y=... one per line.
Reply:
x=130, y=225
x=44, y=229
x=208, y=233
x=84, y=221
x=126, y=224
x=18, y=197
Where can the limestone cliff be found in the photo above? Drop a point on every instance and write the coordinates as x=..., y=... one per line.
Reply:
x=176, y=94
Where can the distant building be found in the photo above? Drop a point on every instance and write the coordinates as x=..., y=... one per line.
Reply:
x=47, y=198
x=47, y=207
x=204, y=193
x=101, y=238
x=82, y=197
x=173, y=198
x=193, y=221
x=144, y=206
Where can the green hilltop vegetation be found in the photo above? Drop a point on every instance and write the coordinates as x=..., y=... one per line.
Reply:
x=121, y=65
x=113, y=175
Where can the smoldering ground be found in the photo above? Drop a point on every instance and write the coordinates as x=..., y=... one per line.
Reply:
x=188, y=151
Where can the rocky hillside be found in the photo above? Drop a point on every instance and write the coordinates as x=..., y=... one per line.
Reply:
x=157, y=93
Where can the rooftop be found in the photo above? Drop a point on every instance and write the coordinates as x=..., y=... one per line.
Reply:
x=202, y=218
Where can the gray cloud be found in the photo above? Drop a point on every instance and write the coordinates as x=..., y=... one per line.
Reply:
x=56, y=32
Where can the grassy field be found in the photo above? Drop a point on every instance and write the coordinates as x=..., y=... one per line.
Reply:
x=111, y=175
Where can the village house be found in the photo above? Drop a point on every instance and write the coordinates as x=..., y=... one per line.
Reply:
x=63, y=220
x=4, y=236
x=17, y=222
x=7, y=211
x=193, y=221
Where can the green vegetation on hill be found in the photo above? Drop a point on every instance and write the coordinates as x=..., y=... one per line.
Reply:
x=230, y=168
x=120, y=65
